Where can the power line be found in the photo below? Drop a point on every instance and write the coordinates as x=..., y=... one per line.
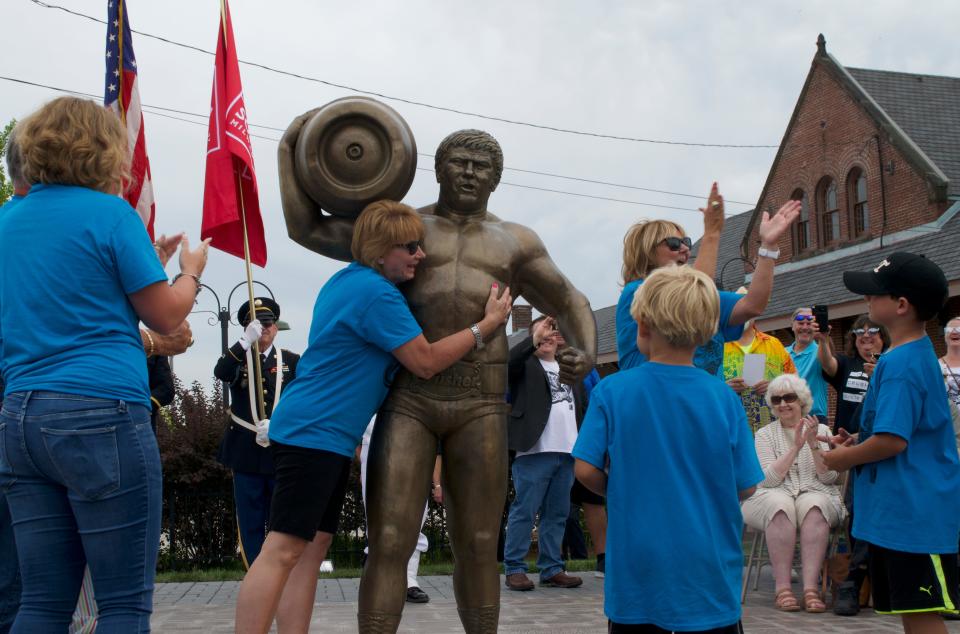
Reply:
x=422, y=104
x=152, y=109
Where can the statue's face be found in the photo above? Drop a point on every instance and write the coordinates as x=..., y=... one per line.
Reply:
x=466, y=179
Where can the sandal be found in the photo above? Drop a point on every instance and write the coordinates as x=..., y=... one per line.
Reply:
x=812, y=602
x=785, y=601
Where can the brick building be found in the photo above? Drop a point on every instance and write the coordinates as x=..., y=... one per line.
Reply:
x=875, y=157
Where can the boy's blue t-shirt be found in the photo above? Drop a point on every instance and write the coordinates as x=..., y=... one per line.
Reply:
x=674, y=527
x=809, y=369
x=707, y=357
x=69, y=257
x=342, y=378
x=910, y=502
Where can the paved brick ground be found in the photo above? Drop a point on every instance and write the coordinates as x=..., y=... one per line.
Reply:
x=208, y=608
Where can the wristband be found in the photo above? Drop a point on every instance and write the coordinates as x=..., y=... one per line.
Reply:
x=764, y=252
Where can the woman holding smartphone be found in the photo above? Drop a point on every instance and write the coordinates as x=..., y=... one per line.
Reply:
x=850, y=373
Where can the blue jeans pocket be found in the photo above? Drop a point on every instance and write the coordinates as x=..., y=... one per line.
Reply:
x=87, y=459
x=6, y=471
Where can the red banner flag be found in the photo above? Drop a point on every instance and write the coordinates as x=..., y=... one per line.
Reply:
x=230, y=193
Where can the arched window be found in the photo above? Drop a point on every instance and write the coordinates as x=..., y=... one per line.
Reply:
x=857, y=201
x=801, y=234
x=828, y=211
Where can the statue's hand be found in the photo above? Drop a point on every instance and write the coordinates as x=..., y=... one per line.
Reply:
x=574, y=365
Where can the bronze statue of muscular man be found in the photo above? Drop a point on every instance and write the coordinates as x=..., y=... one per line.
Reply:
x=463, y=408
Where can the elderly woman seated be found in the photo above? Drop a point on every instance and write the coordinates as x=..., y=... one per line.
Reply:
x=799, y=492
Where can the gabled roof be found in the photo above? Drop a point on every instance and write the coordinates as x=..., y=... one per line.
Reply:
x=927, y=108
x=903, y=107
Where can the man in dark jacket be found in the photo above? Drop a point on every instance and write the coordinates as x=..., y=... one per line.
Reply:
x=542, y=429
x=251, y=463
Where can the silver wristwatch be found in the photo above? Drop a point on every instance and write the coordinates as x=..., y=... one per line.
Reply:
x=477, y=336
x=763, y=252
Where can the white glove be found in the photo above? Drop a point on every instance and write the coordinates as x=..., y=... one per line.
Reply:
x=251, y=333
x=263, y=430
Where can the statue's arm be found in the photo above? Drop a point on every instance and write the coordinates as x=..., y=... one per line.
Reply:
x=548, y=290
x=307, y=225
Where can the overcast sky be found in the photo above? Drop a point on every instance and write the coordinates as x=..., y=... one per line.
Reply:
x=705, y=72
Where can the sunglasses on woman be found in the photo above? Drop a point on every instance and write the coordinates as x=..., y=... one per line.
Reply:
x=803, y=318
x=951, y=330
x=674, y=243
x=785, y=398
x=412, y=247
x=866, y=331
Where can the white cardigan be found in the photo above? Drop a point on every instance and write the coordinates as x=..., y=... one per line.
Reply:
x=771, y=443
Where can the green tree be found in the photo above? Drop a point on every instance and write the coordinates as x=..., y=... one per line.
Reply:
x=6, y=186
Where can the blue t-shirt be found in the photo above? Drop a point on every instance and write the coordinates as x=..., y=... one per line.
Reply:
x=808, y=368
x=69, y=257
x=674, y=527
x=343, y=377
x=910, y=502
x=707, y=357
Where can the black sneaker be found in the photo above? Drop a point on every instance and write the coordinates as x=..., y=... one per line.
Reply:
x=601, y=566
x=416, y=595
x=848, y=600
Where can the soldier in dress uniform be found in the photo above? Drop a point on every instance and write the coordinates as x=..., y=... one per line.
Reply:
x=251, y=463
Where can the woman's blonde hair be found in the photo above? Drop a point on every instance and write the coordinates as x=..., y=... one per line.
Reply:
x=680, y=303
x=786, y=383
x=381, y=226
x=640, y=247
x=73, y=141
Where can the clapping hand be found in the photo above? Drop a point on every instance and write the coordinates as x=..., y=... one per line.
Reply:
x=810, y=425
x=166, y=247
x=843, y=438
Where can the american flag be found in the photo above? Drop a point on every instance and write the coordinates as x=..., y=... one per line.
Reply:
x=122, y=97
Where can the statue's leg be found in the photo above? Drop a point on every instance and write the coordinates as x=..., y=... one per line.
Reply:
x=399, y=470
x=475, y=485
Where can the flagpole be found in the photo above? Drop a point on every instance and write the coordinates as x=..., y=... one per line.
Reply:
x=257, y=369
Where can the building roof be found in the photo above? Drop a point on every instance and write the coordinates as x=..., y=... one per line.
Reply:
x=822, y=283
x=926, y=107
x=918, y=114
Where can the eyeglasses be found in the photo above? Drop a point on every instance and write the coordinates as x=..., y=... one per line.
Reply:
x=951, y=330
x=802, y=318
x=868, y=331
x=786, y=398
x=674, y=243
x=412, y=247
x=266, y=323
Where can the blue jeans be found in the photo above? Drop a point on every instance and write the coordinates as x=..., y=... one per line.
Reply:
x=9, y=570
x=542, y=482
x=82, y=477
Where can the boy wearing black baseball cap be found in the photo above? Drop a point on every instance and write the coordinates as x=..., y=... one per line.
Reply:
x=907, y=503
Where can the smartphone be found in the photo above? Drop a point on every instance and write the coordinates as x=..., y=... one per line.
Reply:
x=820, y=314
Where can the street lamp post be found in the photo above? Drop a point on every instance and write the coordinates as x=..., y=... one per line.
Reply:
x=222, y=315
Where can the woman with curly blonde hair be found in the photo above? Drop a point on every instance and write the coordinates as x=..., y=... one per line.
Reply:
x=79, y=463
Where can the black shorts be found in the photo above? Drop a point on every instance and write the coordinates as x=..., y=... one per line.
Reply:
x=309, y=488
x=911, y=583
x=581, y=495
